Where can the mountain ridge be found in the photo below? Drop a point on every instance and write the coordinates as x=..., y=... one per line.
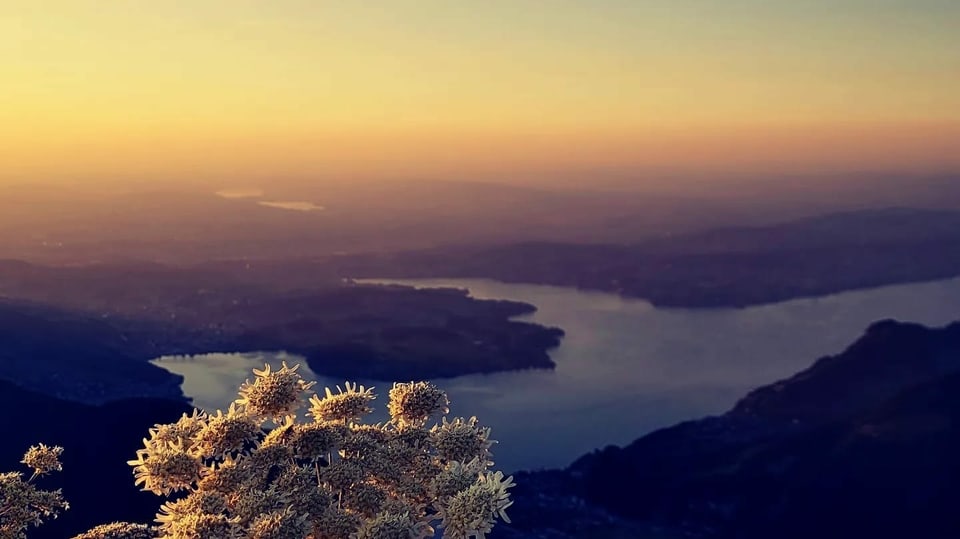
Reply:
x=793, y=459
x=722, y=268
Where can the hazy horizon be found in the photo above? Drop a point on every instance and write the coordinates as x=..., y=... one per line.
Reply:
x=392, y=125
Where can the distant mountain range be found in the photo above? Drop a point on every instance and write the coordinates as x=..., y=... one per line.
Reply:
x=862, y=444
x=189, y=223
x=732, y=267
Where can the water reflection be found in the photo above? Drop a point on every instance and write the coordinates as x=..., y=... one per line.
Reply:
x=625, y=367
x=292, y=205
x=240, y=193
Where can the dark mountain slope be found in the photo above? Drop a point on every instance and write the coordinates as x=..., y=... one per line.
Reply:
x=97, y=442
x=86, y=333
x=862, y=444
x=55, y=351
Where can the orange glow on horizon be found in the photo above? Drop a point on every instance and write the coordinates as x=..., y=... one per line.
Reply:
x=182, y=90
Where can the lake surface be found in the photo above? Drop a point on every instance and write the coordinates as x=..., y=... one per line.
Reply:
x=241, y=192
x=257, y=194
x=291, y=205
x=625, y=368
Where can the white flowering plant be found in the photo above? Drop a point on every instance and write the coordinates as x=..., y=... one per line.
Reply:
x=260, y=470
x=22, y=504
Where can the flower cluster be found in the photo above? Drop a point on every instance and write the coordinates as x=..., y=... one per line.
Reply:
x=327, y=476
x=273, y=395
x=119, y=530
x=415, y=403
x=22, y=504
x=43, y=459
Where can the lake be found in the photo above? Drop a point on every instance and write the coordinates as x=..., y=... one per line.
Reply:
x=625, y=368
x=291, y=205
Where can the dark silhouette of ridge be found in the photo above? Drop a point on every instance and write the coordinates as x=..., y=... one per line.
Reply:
x=87, y=333
x=861, y=444
x=729, y=267
x=98, y=441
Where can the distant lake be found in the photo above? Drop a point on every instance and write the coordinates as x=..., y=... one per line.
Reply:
x=240, y=193
x=625, y=367
x=291, y=205
x=258, y=194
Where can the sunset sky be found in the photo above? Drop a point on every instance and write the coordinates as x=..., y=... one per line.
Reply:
x=240, y=89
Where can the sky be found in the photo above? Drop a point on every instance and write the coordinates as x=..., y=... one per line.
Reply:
x=237, y=90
